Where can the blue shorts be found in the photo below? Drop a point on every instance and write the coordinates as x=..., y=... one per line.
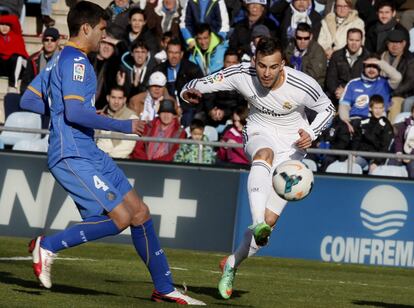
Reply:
x=96, y=185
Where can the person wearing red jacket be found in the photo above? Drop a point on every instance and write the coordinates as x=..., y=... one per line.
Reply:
x=13, y=52
x=166, y=125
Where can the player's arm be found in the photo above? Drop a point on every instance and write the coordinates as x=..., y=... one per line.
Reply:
x=317, y=100
x=32, y=99
x=77, y=113
x=223, y=80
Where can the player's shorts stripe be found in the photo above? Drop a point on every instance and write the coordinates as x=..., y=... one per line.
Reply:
x=79, y=98
x=310, y=88
x=34, y=91
x=259, y=163
x=296, y=85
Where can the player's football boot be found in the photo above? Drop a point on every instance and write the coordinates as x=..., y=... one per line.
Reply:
x=261, y=233
x=42, y=262
x=225, y=285
x=177, y=297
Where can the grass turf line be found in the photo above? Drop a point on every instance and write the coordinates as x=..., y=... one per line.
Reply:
x=112, y=275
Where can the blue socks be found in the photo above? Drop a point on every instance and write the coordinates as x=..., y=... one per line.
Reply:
x=90, y=229
x=148, y=247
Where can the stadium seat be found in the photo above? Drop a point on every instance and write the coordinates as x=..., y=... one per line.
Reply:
x=36, y=145
x=401, y=117
x=389, y=170
x=21, y=119
x=211, y=133
x=310, y=164
x=342, y=167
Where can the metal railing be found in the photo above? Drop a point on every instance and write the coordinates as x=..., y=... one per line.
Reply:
x=350, y=154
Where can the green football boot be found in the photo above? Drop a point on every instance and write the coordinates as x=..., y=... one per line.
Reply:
x=225, y=285
x=261, y=233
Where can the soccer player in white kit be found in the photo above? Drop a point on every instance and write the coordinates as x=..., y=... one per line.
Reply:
x=277, y=130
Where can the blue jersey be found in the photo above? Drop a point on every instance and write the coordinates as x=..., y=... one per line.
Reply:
x=68, y=77
x=358, y=92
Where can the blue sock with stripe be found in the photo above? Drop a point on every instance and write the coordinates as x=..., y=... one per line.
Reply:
x=90, y=229
x=148, y=247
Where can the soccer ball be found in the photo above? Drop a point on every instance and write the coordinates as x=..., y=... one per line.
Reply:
x=292, y=180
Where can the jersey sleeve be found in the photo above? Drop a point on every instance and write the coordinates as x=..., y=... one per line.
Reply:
x=317, y=100
x=224, y=80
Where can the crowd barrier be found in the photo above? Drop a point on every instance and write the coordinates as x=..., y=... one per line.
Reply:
x=345, y=219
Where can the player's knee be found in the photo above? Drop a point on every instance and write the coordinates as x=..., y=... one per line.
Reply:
x=121, y=217
x=265, y=154
x=141, y=215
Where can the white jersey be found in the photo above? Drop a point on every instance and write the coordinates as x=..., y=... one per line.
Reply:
x=282, y=109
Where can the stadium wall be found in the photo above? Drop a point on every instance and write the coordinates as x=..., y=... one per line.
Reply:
x=345, y=219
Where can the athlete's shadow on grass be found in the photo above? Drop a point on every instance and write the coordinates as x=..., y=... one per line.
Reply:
x=380, y=304
x=8, y=278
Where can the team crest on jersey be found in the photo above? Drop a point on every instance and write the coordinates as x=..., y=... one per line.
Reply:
x=78, y=71
x=287, y=105
x=218, y=77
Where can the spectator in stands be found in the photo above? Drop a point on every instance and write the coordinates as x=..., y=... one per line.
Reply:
x=373, y=134
x=306, y=55
x=117, y=109
x=166, y=125
x=38, y=60
x=398, y=56
x=354, y=103
x=137, y=30
x=118, y=11
x=212, y=12
x=106, y=64
x=407, y=15
x=161, y=56
x=164, y=16
x=345, y=64
x=234, y=135
x=11, y=7
x=189, y=153
x=336, y=137
x=13, y=54
x=376, y=36
x=329, y=6
x=241, y=37
x=291, y=13
x=46, y=9
x=336, y=24
x=136, y=67
x=258, y=32
x=219, y=106
x=146, y=104
x=179, y=71
x=209, y=49
x=404, y=141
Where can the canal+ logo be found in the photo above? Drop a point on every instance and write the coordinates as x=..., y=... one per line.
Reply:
x=384, y=210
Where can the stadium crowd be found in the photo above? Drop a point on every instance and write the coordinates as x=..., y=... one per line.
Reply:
x=357, y=50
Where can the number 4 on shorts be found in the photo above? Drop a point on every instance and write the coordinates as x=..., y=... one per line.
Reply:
x=99, y=184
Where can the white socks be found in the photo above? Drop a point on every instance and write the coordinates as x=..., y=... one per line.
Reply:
x=246, y=249
x=259, y=184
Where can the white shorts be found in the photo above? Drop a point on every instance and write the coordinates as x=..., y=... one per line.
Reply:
x=281, y=141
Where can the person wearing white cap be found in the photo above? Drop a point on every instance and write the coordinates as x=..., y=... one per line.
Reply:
x=146, y=104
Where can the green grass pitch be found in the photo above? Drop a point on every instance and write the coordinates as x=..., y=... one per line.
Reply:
x=111, y=275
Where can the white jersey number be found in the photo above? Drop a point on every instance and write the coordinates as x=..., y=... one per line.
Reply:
x=99, y=184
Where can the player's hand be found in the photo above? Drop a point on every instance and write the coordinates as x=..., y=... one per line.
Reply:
x=192, y=96
x=138, y=127
x=304, y=141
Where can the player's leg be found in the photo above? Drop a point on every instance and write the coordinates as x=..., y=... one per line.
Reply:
x=145, y=240
x=94, y=195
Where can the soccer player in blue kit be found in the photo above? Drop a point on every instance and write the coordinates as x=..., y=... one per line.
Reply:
x=106, y=201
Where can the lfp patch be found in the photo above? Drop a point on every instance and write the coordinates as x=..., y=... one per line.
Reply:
x=78, y=71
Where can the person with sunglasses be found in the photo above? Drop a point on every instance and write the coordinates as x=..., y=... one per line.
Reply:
x=38, y=60
x=306, y=55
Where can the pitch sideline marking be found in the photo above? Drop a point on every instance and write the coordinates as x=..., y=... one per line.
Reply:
x=58, y=258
